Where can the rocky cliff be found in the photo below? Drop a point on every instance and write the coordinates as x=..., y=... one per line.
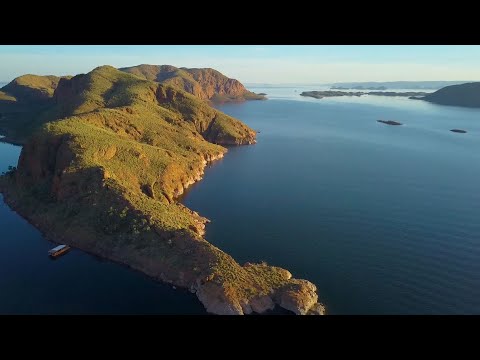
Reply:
x=207, y=84
x=105, y=175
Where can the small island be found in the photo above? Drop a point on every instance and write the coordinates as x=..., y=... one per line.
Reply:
x=330, y=93
x=458, y=131
x=389, y=122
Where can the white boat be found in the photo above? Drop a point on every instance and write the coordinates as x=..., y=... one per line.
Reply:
x=58, y=250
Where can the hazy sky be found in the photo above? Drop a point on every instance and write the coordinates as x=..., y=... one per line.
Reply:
x=256, y=63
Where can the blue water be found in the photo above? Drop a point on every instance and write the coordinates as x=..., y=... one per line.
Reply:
x=383, y=219
x=76, y=283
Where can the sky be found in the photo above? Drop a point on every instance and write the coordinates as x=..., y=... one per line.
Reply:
x=272, y=64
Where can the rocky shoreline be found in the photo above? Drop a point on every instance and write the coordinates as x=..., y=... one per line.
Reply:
x=102, y=171
x=295, y=295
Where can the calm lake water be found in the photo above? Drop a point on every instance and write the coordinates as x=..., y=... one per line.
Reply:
x=383, y=219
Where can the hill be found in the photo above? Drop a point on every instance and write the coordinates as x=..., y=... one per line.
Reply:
x=104, y=175
x=207, y=84
x=467, y=95
x=23, y=102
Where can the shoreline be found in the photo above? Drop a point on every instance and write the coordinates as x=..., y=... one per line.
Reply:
x=46, y=235
x=8, y=140
x=296, y=287
x=109, y=181
x=97, y=257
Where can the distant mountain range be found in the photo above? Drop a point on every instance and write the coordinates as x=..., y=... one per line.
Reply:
x=434, y=85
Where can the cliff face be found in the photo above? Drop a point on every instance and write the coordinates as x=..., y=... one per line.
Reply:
x=213, y=83
x=105, y=176
x=467, y=95
x=214, y=126
x=206, y=84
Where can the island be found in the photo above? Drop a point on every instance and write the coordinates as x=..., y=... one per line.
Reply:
x=458, y=131
x=389, y=122
x=466, y=95
x=330, y=93
x=106, y=156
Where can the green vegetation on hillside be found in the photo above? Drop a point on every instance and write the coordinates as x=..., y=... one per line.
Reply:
x=207, y=84
x=23, y=105
x=111, y=153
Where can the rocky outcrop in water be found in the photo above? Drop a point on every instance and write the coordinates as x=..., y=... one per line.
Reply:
x=389, y=122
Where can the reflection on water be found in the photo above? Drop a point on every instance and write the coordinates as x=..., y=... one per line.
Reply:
x=384, y=219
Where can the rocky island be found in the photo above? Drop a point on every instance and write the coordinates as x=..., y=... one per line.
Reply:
x=389, y=122
x=107, y=154
x=330, y=93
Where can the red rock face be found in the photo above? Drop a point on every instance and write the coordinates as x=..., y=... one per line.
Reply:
x=206, y=84
x=214, y=83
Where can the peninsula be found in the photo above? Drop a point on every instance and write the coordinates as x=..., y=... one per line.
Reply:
x=466, y=95
x=106, y=155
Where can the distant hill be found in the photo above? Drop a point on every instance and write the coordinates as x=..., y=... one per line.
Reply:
x=25, y=100
x=432, y=85
x=207, y=84
x=467, y=95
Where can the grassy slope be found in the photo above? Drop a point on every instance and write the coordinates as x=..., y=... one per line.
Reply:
x=105, y=175
x=23, y=103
